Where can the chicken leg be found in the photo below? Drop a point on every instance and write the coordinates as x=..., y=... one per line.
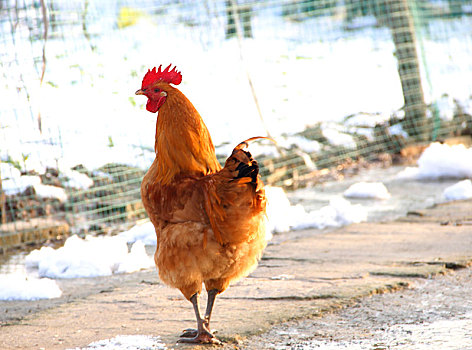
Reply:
x=202, y=334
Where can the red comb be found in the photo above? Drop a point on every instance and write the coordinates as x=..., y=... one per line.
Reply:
x=169, y=76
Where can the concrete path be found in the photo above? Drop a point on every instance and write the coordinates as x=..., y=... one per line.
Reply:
x=433, y=314
x=302, y=274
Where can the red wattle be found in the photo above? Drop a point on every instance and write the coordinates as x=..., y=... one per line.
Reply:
x=153, y=105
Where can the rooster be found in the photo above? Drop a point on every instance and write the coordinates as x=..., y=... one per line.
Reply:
x=209, y=220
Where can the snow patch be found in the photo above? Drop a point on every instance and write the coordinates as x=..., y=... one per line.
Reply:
x=8, y=171
x=77, y=180
x=143, y=232
x=48, y=191
x=339, y=212
x=397, y=129
x=303, y=143
x=337, y=137
x=136, y=260
x=89, y=257
x=441, y=161
x=283, y=216
x=374, y=190
x=128, y=342
x=368, y=119
x=22, y=287
x=17, y=185
x=458, y=191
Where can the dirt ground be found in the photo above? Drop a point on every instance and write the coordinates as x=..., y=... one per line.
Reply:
x=304, y=276
x=433, y=313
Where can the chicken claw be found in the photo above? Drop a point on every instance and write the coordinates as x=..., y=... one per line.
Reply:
x=201, y=335
x=189, y=333
x=194, y=336
x=192, y=333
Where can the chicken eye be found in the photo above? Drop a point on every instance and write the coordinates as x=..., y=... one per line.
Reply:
x=156, y=90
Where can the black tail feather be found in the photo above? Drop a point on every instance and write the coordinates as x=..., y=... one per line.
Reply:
x=248, y=170
x=243, y=162
x=242, y=165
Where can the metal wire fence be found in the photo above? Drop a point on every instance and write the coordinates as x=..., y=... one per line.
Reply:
x=336, y=82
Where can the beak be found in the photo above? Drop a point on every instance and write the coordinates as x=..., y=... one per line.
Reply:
x=139, y=92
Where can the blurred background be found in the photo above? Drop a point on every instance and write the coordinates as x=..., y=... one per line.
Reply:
x=340, y=84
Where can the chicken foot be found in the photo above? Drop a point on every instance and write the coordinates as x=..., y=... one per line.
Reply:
x=202, y=334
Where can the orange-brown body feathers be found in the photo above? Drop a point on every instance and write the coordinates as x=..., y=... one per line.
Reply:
x=209, y=220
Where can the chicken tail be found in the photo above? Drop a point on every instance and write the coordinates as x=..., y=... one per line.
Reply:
x=245, y=143
x=235, y=198
x=241, y=165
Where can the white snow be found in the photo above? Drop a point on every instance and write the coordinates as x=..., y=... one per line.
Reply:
x=283, y=216
x=305, y=144
x=337, y=137
x=48, y=191
x=367, y=119
x=143, y=232
x=409, y=173
x=16, y=185
x=375, y=190
x=441, y=161
x=77, y=179
x=22, y=287
x=128, y=342
x=8, y=171
x=397, y=129
x=458, y=191
x=89, y=257
x=339, y=212
x=34, y=258
x=136, y=260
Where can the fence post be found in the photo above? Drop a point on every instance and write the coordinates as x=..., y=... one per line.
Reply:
x=400, y=21
x=243, y=15
x=2, y=199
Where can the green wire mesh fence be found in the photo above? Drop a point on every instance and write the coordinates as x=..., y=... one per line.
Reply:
x=335, y=82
